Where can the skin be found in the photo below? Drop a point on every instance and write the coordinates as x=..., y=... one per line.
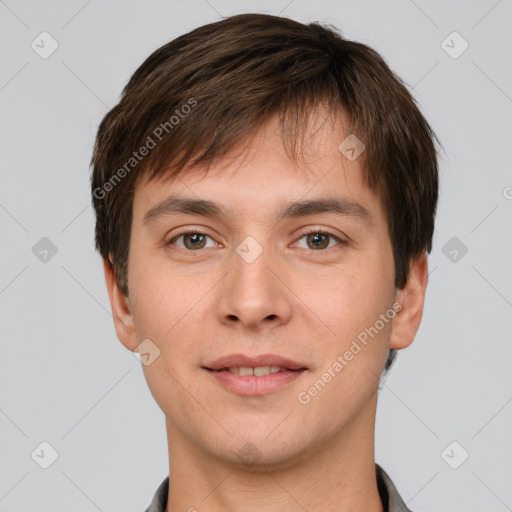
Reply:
x=197, y=305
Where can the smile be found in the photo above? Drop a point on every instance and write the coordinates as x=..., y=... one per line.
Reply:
x=259, y=371
x=245, y=375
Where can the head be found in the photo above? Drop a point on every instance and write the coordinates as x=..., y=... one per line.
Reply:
x=253, y=112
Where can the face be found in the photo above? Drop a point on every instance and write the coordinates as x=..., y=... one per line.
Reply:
x=303, y=292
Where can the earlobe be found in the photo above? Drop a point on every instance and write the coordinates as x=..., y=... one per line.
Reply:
x=411, y=299
x=121, y=312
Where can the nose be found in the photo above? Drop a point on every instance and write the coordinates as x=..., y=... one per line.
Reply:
x=253, y=296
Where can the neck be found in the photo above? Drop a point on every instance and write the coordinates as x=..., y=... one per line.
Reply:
x=339, y=475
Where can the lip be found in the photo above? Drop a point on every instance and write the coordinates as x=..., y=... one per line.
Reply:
x=254, y=361
x=251, y=385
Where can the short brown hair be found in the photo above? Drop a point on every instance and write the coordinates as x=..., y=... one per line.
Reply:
x=231, y=76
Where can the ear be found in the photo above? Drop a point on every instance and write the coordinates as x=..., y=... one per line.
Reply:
x=411, y=298
x=120, y=304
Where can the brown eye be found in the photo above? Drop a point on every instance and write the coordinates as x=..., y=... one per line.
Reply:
x=320, y=240
x=192, y=240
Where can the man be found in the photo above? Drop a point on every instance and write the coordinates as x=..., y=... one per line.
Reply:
x=265, y=194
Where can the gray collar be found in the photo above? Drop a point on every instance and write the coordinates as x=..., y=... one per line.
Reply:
x=391, y=500
x=389, y=496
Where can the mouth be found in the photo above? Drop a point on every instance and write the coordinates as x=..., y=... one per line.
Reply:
x=272, y=362
x=258, y=371
x=254, y=376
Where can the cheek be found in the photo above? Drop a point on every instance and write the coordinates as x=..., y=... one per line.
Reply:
x=168, y=311
x=170, y=308
x=160, y=298
x=358, y=333
x=356, y=297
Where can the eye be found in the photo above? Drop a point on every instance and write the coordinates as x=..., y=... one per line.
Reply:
x=317, y=240
x=192, y=240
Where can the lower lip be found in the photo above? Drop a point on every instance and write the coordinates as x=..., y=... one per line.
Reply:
x=250, y=385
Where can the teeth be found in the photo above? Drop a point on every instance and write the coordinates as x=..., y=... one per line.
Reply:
x=259, y=371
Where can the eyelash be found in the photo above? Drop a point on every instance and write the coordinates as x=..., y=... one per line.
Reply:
x=310, y=232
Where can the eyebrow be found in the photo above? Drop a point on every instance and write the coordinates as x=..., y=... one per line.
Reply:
x=338, y=205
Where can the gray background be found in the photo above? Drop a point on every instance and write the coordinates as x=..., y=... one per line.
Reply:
x=67, y=380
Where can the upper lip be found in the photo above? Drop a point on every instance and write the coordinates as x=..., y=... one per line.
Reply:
x=237, y=360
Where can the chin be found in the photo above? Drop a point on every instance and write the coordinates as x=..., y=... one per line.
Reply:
x=252, y=458
x=259, y=452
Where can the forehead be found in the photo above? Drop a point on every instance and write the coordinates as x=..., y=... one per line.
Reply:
x=260, y=171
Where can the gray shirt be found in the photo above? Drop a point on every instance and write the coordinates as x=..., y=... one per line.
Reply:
x=389, y=496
